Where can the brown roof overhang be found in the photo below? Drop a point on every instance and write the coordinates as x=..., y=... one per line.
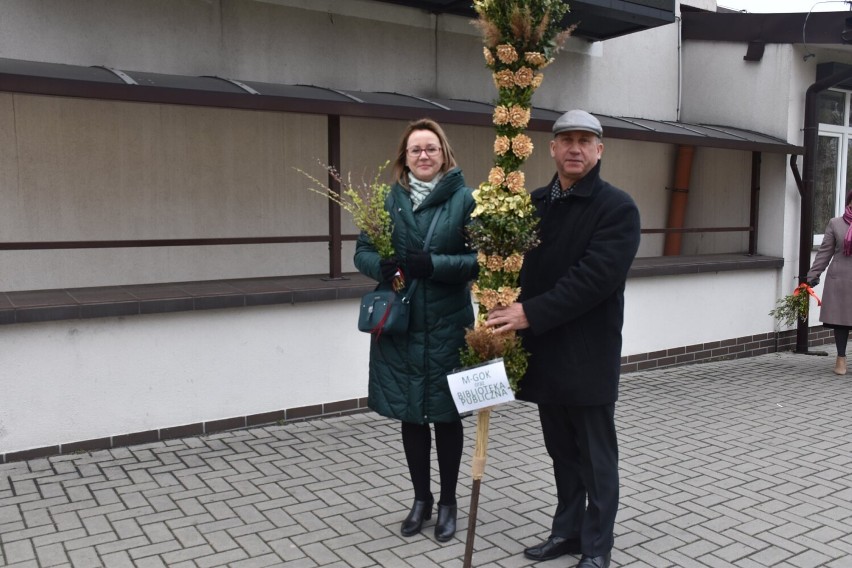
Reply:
x=813, y=28
x=596, y=20
x=18, y=76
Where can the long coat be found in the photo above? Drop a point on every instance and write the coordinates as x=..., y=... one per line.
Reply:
x=408, y=372
x=572, y=292
x=837, y=290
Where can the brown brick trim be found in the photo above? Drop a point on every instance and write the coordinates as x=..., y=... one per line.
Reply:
x=328, y=409
x=720, y=350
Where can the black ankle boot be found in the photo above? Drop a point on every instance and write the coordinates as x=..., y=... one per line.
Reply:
x=445, y=526
x=420, y=511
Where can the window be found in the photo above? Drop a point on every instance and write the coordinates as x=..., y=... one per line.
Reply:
x=833, y=172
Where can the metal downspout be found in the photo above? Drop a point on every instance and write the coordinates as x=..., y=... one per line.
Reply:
x=806, y=228
x=677, y=204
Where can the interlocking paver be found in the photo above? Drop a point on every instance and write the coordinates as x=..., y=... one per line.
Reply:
x=19, y=551
x=729, y=464
x=85, y=558
x=186, y=554
x=122, y=545
x=149, y=562
x=154, y=549
x=117, y=560
x=221, y=559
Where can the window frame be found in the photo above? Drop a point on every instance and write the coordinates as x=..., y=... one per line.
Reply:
x=843, y=133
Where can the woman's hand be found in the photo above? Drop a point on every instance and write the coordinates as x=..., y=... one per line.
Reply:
x=418, y=264
x=389, y=267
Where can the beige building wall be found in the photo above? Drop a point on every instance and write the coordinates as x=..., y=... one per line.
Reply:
x=78, y=169
x=719, y=196
x=645, y=171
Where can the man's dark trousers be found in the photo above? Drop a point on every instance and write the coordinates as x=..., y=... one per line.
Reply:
x=582, y=442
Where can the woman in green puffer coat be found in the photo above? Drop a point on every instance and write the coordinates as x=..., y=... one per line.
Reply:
x=408, y=372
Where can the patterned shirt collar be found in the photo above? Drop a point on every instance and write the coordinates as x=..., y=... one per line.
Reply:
x=556, y=191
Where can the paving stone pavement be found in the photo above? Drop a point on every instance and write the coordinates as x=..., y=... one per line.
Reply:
x=740, y=463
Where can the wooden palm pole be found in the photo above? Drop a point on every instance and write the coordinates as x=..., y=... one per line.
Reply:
x=479, y=456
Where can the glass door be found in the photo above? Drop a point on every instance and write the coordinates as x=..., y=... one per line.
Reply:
x=827, y=198
x=832, y=174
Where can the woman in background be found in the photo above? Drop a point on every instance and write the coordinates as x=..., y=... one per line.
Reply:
x=836, y=312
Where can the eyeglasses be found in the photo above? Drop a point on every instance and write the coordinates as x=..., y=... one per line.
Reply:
x=415, y=151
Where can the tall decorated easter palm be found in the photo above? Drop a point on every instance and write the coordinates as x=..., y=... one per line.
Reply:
x=521, y=37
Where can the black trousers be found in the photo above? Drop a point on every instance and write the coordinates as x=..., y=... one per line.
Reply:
x=449, y=442
x=582, y=442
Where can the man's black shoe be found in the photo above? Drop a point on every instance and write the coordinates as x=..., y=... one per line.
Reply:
x=553, y=547
x=594, y=561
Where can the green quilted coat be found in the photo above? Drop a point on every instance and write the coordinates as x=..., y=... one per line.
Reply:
x=408, y=372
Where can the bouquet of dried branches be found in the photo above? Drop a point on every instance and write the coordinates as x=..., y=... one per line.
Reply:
x=365, y=201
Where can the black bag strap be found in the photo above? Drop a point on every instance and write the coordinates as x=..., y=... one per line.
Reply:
x=432, y=228
x=407, y=298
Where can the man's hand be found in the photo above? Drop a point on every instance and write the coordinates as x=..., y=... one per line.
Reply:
x=507, y=318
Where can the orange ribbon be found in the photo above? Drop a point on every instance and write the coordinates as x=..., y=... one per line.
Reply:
x=809, y=290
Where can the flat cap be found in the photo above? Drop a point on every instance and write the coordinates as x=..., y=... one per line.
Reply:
x=578, y=120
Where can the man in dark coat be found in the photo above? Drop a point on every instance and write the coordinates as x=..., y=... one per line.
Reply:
x=571, y=311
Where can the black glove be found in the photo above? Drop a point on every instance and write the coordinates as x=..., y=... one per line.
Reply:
x=813, y=282
x=388, y=267
x=419, y=264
